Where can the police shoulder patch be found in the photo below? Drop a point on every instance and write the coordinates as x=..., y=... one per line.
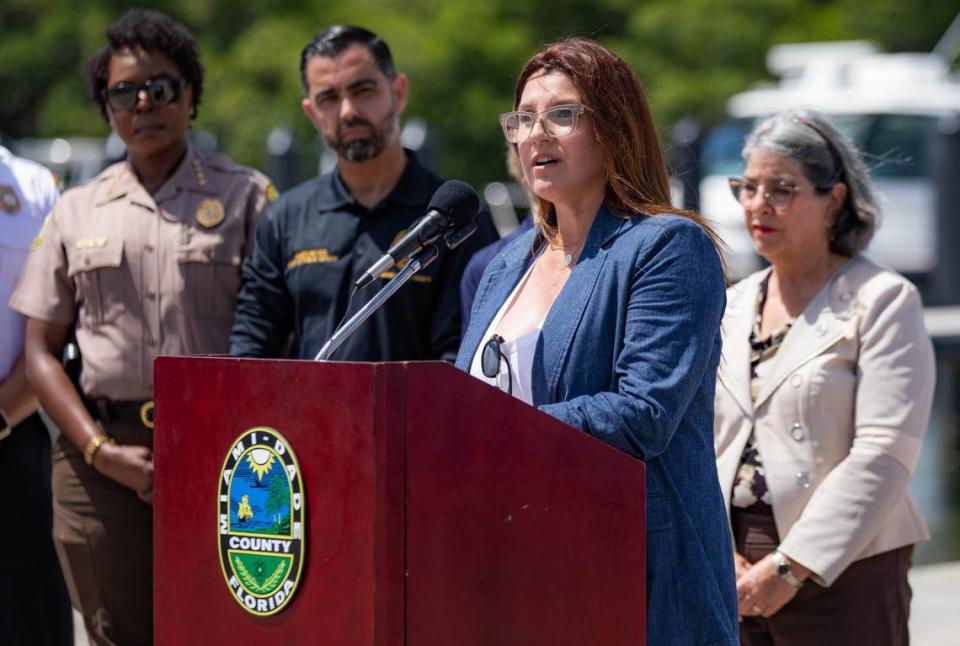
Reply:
x=271, y=192
x=38, y=240
x=261, y=528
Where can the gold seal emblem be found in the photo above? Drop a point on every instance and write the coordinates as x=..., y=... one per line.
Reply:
x=210, y=213
x=261, y=521
x=9, y=201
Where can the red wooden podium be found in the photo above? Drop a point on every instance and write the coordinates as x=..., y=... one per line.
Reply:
x=438, y=510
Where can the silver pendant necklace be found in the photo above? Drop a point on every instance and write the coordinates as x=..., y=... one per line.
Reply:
x=569, y=256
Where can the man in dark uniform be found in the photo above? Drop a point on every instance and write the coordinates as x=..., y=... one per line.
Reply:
x=318, y=238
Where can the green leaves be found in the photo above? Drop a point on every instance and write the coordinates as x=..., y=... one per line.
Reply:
x=462, y=58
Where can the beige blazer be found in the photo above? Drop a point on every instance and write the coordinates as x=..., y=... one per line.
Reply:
x=840, y=419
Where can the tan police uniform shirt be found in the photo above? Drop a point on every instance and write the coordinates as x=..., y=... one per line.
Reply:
x=144, y=275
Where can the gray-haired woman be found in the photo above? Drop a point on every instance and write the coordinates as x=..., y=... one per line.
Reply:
x=823, y=397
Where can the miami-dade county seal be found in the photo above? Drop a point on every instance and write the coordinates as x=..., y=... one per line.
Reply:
x=260, y=524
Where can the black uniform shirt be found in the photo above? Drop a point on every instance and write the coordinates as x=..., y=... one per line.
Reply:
x=315, y=242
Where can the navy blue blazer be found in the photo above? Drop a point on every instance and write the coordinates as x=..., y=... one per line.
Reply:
x=628, y=353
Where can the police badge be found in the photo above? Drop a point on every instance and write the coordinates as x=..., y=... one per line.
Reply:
x=210, y=213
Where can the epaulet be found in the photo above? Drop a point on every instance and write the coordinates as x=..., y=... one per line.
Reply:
x=107, y=173
x=104, y=186
x=217, y=162
x=96, y=183
x=223, y=164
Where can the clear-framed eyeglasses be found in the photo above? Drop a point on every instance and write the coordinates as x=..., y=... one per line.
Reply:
x=777, y=195
x=558, y=121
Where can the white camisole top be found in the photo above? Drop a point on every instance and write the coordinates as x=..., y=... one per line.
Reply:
x=518, y=353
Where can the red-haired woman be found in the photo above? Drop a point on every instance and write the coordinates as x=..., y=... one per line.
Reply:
x=607, y=317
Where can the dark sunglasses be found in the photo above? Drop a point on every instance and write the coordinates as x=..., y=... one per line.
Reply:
x=490, y=361
x=161, y=91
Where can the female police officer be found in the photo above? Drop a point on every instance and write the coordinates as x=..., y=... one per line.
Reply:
x=144, y=260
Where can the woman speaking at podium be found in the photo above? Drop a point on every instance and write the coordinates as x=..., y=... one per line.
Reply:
x=607, y=315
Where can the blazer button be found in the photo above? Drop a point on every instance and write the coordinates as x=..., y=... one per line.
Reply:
x=796, y=380
x=803, y=479
x=796, y=431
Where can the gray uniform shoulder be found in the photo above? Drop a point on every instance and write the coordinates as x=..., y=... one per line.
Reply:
x=93, y=190
x=220, y=166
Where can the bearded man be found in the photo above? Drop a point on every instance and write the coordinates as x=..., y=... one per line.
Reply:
x=319, y=238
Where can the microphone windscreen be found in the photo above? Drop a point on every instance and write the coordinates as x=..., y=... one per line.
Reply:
x=457, y=200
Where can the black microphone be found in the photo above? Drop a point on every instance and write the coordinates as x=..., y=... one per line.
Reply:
x=454, y=205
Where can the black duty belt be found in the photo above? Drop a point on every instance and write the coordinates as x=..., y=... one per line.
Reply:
x=137, y=412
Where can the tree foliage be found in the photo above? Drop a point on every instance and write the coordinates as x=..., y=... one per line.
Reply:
x=278, y=494
x=462, y=58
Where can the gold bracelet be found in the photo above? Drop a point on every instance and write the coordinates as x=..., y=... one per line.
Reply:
x=91, y=448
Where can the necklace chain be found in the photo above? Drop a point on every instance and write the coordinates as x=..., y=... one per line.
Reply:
x=570, y=256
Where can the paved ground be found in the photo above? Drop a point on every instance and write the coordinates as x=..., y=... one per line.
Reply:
x=79, y=635
x=934, y=615
x=935, y=612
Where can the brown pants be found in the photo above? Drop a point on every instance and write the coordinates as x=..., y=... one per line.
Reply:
x=868, y=604
x=104, y=538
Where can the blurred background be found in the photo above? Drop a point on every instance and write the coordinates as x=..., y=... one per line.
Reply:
x=886, y=69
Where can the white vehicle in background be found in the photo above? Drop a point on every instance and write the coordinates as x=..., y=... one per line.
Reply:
x=899, y=109
x=74, y=160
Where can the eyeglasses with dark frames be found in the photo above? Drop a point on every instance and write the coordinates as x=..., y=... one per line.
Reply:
x=490, y=359
x=778, y=195
x=160, y=91
x=558, y=121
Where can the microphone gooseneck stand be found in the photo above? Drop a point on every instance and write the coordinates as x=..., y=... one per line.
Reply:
x=427, y=255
